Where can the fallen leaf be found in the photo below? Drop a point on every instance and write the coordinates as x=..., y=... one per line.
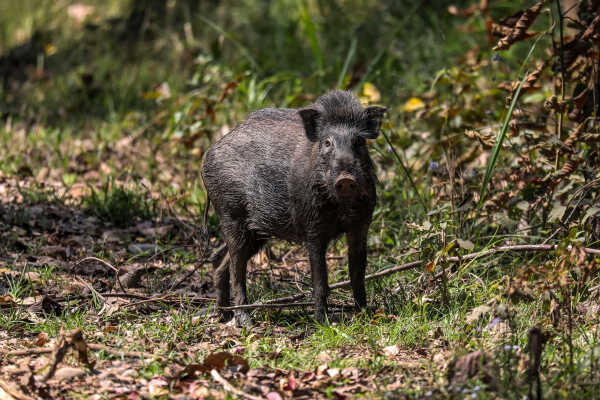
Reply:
x=321, y=369
x=413, y=104
x=223, y=359
x=158, y=386
x=41, y=340
x=476, y=313
x=273, y=396
x=370, y=93
x=465, y=244
x=391, y=351
x=471, y=365
x=333, y=372
x=66, y=373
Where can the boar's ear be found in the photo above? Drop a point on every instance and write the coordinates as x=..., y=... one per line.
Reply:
x=310, y=118
x=374, y=115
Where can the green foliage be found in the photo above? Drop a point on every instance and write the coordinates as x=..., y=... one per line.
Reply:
x=97, y=97
x=118, y=204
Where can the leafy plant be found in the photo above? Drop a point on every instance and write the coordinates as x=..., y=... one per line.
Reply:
x=118, y=204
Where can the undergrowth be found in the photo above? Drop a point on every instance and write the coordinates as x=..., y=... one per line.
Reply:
x=106, y=120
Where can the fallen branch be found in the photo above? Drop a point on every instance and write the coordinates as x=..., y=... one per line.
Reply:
x=67, y=340
x=28, y=352
x=12, y=392
x=105, y=263
x=266, y=305
x=91, y=346
x=120, y=353
x=228, y=387
x=418, y=263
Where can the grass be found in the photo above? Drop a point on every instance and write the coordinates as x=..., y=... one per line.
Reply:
x=118, y=205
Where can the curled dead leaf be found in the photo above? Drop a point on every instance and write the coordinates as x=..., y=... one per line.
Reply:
x=391, y=351
x=224, y=359
x=520, y=30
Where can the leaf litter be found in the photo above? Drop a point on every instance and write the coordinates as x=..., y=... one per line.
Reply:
x=79, y=262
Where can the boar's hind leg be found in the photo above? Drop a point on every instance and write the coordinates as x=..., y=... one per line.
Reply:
x=318, y=266
x=242, y=245
x=357, y=260
x=221, y=266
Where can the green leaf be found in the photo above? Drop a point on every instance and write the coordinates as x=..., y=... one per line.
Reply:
x=465, y=244
x=590, y=213
x=557, y=213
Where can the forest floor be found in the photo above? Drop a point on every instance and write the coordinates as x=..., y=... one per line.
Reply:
x=106, y=111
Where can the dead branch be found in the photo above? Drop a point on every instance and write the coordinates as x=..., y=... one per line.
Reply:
x=12, y=392
x=418, y=263
x=91, y=346
x=105, y=263
x=228, y=387
x=120, y=353
x=28, y=352
x=265, y=305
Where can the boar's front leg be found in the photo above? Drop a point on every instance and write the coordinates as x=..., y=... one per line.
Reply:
x=316, y=253
x=357, y=262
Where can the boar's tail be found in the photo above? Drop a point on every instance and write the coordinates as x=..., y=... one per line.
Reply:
x=205, y=216
x=205, y=237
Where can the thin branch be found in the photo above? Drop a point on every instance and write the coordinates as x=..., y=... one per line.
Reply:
x=91, y=288
x=265, y=305
x=105, y=263
x=405, y=169
x=12, y=392
x=120, y=353
x=28, y=352
x=99, y=260
x=228, y=387
x=92, y=346
x=418, y=263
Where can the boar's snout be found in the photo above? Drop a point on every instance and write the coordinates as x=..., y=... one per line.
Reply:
x=345, y=186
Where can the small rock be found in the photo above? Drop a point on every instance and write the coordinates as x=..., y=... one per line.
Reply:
x=138, y=248
x=68, y=373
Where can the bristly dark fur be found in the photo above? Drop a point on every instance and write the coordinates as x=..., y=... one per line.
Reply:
x=279, y=174
x=340, y=107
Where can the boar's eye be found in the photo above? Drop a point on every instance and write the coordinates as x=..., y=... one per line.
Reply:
x=327, y=143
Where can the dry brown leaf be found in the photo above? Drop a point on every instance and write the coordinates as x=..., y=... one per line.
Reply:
x=471, y=365
x=224, y=359
x=520, y=30
x=391, y=351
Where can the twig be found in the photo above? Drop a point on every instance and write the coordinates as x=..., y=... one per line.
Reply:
x=28, y=352
x=107, y=265
x=562, y=80
x=120, y=353
x=188, y=275
x=418, y=263
x=192, y=272
x=228, y=387
x=12, y=392
x=99, y=260
x=91, y=346
x=91, y=288
x=304, y=259
x=265, y=305
x=166, y=299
